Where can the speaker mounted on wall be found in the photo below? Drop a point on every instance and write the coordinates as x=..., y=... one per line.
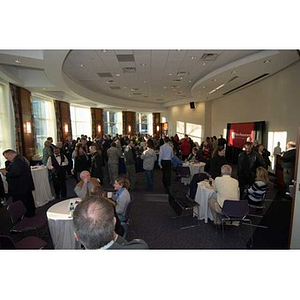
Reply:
x=192, y=105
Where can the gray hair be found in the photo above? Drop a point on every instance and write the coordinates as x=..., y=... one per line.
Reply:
x=226, y=170
x=93, y=221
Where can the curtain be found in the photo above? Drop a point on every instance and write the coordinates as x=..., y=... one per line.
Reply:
x=7, y=122
x=58, y=120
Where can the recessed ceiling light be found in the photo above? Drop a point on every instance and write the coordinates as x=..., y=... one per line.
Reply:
x=82, y=65
x=190, y=80
x=103, y=51
x=118, y=75
x=215, y=79
x=134, y=89
x=192, y=57
x=143, y=65
x=17, y=61
x=125, y=87
x=165, y=87
x=267, y=61
x=204, y=87
x=204, y=64
x=144, y=81
x=233, y=72
x=170, y=74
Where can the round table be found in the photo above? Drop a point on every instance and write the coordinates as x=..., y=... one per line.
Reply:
x=61, y=225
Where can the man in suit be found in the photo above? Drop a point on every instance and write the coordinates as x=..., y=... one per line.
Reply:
x=129, y=159
x=288, y=160
x=94, y=226
x=19, y=179
x=57, y=163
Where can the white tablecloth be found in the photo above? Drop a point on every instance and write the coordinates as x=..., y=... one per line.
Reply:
x=61, y=225
x=204, y=192
x=194, y=169
x=42, y=193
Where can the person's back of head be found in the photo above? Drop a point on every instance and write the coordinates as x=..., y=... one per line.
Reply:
x=262, y=175
x=226, y=170
x=166, y=139
x=94, y=222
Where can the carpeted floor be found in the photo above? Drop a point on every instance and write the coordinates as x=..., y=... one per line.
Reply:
x=154, y=220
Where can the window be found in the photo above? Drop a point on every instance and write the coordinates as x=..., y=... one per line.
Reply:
x=112, y=123
x=7, y=122
x=144, y=123
x=81, y=121
x=45, y=122
x=194, y=131
x=276, y=144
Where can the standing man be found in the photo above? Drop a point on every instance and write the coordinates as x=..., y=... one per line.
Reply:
x=129, y=158
x=248, y=162
x=165, y=162
x=57, y=164
x=113, y=156
x=288, y=160
x=19, y=179
x=96, y=163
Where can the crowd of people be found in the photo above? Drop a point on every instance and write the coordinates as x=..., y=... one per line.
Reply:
x=92, y=162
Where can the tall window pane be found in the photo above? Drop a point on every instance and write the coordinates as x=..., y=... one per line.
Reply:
x=81, y=121
x=144, y=123
x=45, y=122
x=112, y=122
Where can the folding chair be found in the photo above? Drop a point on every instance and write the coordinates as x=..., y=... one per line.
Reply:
x=30, y=242
x=184, y=173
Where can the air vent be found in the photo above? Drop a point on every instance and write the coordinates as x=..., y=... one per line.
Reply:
x=182, y=73
x=177, y=80
x=136, y=94
x=125, y=57
x=159, y=99
x=105, y=74
x=115, y=87
x=209, y=56
x=129, y=70
x=243, y=85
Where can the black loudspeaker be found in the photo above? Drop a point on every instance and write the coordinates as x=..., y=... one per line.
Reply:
x=192, y=105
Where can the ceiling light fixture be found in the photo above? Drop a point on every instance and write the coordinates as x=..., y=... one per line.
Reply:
x=204, y=64
x=17, y=61
x=192, y=57
x=233, y=72
x=267, y=61
x=143, y=65
x=118, y=75
x=82, y=65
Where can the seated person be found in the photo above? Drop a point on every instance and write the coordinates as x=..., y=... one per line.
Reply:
x=193, y=157
x=94, y=225
x=86, y=185
x=227, y=188
x=122, y=197
x=176, y=161
x=217, y=162
x=257, y=192
x=98, y=191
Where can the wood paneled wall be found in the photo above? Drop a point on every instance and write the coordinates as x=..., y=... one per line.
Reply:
x=97, y=122
x=129, y=122
x=65, y=120
x=25, y=109
x=156, y=122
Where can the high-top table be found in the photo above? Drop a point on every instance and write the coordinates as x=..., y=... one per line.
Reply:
x=61, y=225
x=42, y=193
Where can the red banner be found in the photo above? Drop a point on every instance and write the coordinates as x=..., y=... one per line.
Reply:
x=240, y=133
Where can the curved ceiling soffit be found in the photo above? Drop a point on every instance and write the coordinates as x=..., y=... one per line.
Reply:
x=54, y=61
x=231, y=66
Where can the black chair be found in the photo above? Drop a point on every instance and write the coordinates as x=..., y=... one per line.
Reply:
x=235, y=211
x=183, y=172
x=30, y=242
x=194, y=184
x=25, y=225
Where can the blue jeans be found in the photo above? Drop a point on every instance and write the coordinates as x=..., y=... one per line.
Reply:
x=149, y=179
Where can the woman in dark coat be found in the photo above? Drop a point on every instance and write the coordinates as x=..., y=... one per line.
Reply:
x=217, y=162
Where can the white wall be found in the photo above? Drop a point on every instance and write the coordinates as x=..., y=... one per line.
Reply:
x=275, y=100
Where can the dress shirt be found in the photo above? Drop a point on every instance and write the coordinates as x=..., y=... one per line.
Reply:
x=58, y=159
x=165, y=153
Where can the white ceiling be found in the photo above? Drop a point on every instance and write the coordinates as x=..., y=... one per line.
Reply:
x=155, y=79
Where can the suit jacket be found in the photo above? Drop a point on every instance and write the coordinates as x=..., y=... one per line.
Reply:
x=288, y=159
x=122, y=243
x=19, y=176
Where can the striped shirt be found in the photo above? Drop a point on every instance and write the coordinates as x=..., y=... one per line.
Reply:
x=257, y=191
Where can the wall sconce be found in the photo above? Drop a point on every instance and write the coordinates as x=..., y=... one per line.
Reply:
x=129, y=128
x=157, y=128
x=66, y=128
x=99, y=128
x=27, y=127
